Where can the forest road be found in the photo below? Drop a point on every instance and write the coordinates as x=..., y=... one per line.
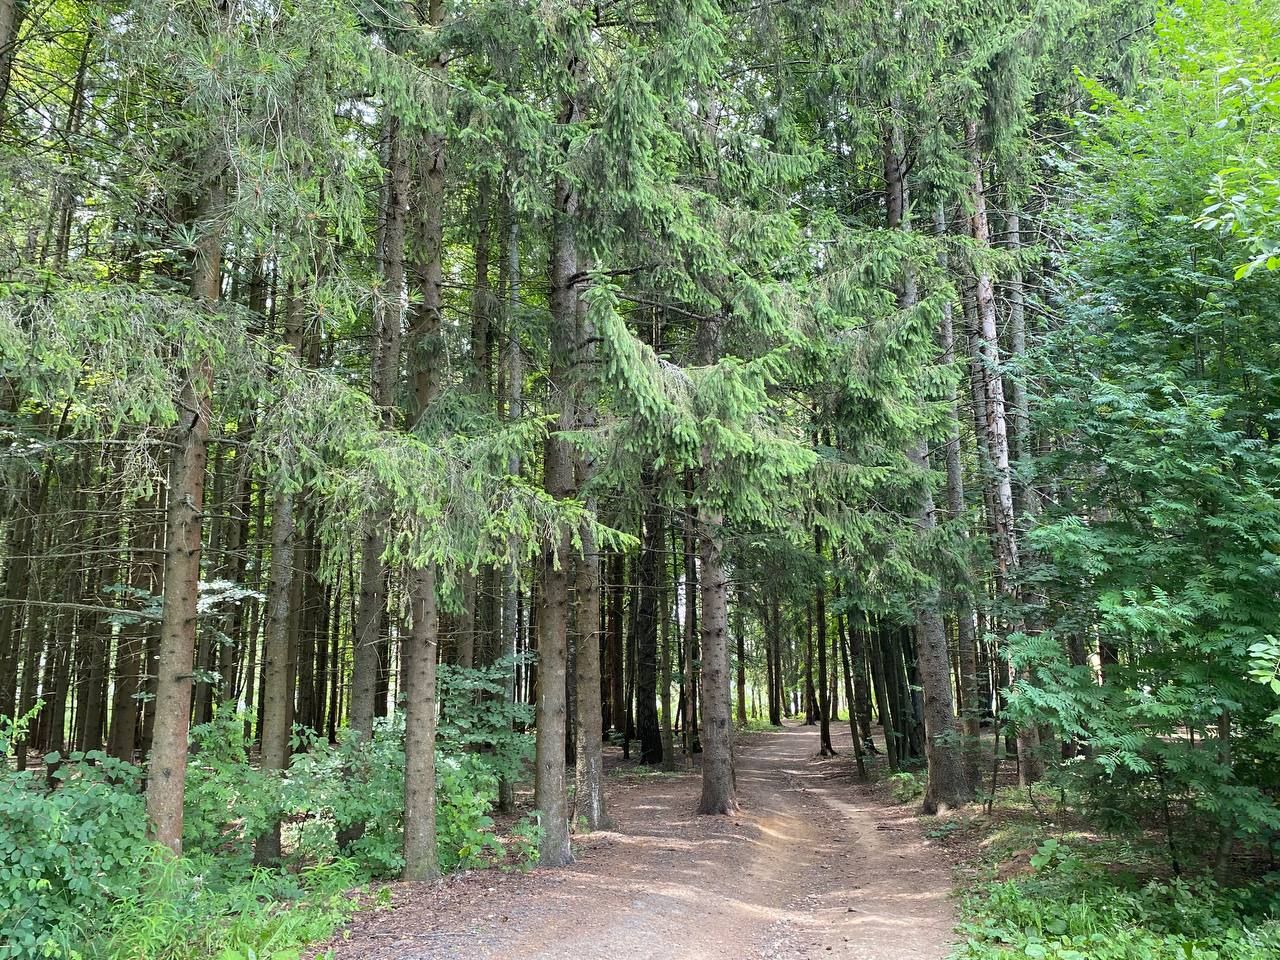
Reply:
x=813, y=866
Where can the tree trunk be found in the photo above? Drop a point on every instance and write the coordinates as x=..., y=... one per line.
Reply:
x=12, y=13
x=820, y=620
x=421, y=860
x=995, y=429
x=514, y=379
x=719, y=794
x=553, y=638
x=420, y=652
x=691, y=655
x=167, y=770
x=854, y=732
x=589, y=806
x=653, y=536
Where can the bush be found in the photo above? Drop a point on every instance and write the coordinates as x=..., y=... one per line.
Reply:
x=906, y=787
x=1075, y=909
x=187, y=912
x=65, y=853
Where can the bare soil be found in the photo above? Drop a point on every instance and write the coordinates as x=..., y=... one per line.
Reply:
x=815, y=865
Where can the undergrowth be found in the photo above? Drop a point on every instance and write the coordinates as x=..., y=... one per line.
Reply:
x=79, y=880
x=1085, y=898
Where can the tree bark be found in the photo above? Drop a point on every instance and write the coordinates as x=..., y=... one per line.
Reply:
x=167, y=770
x=553, y=638
x=648, y=731
x=421, y=651
x=820, y=621
x=997, y=438
x=719, y=790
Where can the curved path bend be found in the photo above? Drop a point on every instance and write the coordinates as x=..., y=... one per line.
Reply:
x=814, y=866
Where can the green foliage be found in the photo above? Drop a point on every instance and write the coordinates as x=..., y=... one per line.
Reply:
x=66, y=853
x=906, y=786
x=1072, y=909
x=186, y=911
x=1161, y=546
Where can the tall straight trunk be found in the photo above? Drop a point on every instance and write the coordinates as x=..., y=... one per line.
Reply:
x=883, y=700
x=820, y=622
x=946, y=782
x=421, y=858
x=861, y=692
x=719, y=792
x=613, y=645
x=553, y=614
x=664, y=669
x=810, y=693
x=514, y=380
x=653, y=536
x=691, y=653
x=370, y=639
x=481, y=291
x=589, y=805
x=274, y=732
x=1019, y=413
x=740, y=635
x=770, y=677
x=948, y=785
x=277, y=694
x=254, y=631
x=966, y=646
x=131, y=640
x=854, y=732
x=996, y=432
x=308, y=598
x=776, y=703
x=420, y=648
x=167, y=769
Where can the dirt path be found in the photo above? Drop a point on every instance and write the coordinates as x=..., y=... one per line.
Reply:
x=813, y=867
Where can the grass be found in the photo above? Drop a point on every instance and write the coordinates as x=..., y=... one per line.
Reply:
x=185, y=914
x=1035, y=888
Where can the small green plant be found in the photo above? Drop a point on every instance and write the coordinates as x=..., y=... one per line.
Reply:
x=943, y=829
x=906, y=786
x=522, y=845
x=1053, y=855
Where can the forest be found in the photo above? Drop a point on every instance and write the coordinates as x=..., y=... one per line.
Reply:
x=640, y=478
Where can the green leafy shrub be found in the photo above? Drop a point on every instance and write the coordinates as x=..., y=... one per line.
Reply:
x=906, y=786
x=1077, y=908
x=228, y=802
x=187, y=911
x=65, y=853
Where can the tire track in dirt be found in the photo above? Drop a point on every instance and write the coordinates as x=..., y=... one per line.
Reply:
x=812, y=867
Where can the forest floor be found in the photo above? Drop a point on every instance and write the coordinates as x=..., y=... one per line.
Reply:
x=815, y=865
